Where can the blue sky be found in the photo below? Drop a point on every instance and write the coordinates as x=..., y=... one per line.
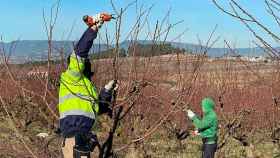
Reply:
x=22, y=19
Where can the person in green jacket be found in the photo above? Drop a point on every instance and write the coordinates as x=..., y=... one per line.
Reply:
x=207, y=127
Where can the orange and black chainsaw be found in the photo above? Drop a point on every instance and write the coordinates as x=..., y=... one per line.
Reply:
x=99, y=18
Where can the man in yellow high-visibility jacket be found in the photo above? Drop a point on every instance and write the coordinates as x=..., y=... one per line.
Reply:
x=79, y=103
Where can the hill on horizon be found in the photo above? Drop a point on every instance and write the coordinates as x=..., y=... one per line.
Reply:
x=197, y=49
x=37, y=49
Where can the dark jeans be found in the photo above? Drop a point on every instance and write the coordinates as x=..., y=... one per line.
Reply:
x=81, y=147
x=86, y=142
x=208, y=150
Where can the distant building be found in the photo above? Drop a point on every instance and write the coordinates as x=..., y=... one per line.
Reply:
x=37, y=74
x=247, y=58
x=255, y=59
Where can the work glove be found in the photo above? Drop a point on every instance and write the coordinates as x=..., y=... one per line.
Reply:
x=111, y=85
x=94, y=22
x=190, y=114
x=195, y=133
x=98, y=20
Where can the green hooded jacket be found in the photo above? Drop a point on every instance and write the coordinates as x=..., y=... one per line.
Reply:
x=208, y=125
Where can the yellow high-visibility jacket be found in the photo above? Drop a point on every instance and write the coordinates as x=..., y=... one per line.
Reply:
x=78, y=100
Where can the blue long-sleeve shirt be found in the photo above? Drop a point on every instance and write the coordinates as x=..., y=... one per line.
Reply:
x=84, y=45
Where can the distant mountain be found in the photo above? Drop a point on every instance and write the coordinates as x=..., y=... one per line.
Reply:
x=219, y=52
x=37, y=49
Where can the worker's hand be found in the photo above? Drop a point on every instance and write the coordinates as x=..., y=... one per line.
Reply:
x=99, y=24
x=111, y=85
x=116, y=87
x=98, y=20
x=195, y=133
x=190, y=114
x=94, y=22
x=101, y=18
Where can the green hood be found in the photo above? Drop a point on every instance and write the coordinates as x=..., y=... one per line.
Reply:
x=207, y=105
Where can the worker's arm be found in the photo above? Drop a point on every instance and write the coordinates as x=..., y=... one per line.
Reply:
x=84, y=45
x=106, y=97
x=105, y=100
x=201, y=124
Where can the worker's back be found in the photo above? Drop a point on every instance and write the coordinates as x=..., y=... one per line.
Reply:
x=77, y=97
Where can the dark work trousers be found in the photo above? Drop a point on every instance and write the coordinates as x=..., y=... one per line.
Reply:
x=81, y=147
x=86, y=141
x=84, y=145
x=81, y=140
x=208, y=150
